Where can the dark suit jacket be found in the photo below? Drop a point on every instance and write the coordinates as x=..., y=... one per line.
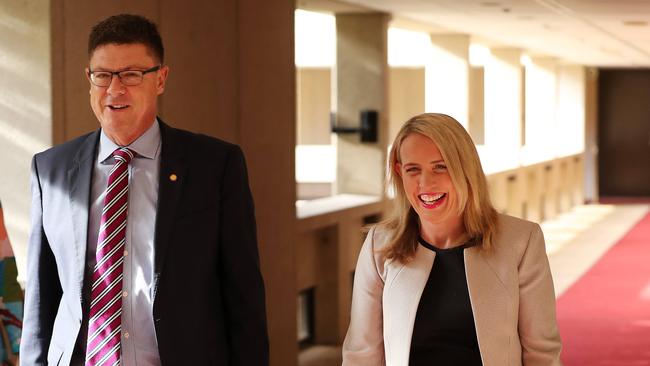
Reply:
x=208, y=292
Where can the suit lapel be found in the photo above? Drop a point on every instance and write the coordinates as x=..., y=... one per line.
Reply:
x=79, y=182
x=170, y=186
x=491, y=307
x=401, y=300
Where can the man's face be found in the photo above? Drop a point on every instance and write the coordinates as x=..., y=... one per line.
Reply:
x=126, y=112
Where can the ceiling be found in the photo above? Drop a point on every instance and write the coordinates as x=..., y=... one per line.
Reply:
x=609, y=33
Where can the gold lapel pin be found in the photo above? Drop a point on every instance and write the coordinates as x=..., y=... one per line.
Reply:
x=173, y=177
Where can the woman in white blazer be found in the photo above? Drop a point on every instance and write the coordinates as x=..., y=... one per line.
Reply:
x=448, y=280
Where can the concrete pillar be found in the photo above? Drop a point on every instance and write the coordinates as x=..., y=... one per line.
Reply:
x=407, y=95
x=25, y=110
x=541, y=99
x=570, y=101
x=503, y=108
x=447, y=76
x=361, y=83
x=503, y=95
x=591, y=136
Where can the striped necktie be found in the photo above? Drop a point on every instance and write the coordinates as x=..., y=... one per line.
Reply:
x=105, y=323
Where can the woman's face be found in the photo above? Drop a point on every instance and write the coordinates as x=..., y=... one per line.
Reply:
x=426, y=180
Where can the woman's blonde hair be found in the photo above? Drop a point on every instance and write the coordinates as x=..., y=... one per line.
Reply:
x=464, y=167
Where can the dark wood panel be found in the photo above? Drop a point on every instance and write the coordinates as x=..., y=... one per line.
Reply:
x=624, y=132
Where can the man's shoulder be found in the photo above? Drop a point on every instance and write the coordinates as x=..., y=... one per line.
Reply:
x=68, y=149
x=197, y=142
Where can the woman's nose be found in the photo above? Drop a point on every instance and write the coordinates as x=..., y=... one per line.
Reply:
x=427, y=180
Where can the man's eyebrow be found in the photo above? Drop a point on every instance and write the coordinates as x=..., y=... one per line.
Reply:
x=127, y=68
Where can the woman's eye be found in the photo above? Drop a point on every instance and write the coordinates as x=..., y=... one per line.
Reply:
x=440, y=167
x=411, y=170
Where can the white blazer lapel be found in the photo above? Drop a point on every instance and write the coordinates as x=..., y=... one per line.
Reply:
x=491, y=306
x=401, y=298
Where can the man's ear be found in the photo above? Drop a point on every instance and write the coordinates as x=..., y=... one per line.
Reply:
x=87, y=73
x=162, y=78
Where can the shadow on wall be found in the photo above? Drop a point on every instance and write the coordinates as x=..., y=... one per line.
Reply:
x=25, y=109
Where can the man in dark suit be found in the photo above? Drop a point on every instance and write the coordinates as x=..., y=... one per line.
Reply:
x=143, y=247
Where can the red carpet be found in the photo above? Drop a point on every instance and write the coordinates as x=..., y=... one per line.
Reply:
x=604, y=318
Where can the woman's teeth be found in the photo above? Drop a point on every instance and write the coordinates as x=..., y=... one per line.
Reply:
x=431, y=198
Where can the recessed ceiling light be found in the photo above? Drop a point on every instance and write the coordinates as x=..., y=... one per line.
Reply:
x=635, y=23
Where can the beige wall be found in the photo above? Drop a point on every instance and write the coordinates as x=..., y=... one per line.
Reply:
x=405, y=97
x=25, y=108
x=476, y=121
x=232, y=76
x=313, y=105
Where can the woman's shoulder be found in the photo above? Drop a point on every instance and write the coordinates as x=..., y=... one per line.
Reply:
x=516, y=233
x=380, y=234
x=378, y=239
x=514, y=226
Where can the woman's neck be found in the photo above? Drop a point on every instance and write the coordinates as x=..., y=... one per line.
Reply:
x=448, y=234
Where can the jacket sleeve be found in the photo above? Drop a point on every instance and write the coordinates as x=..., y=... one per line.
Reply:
x=364, y=342
x=42, y=290
x=538, y=332
x=240, y=268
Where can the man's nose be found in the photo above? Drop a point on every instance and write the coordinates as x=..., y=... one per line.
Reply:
x=115, y=87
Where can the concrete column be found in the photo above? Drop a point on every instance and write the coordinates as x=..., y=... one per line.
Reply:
x=591, y=136
x=570, y=102
x=503, y=108
x=503, y=96
x=25, y=110
x=541, y=101
x=361, y=83
x=407, y=85
x=447, y=76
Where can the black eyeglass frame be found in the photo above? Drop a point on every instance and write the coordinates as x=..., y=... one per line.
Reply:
x=113, y=73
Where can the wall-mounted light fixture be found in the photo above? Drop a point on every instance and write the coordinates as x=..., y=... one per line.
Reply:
x=367, y=129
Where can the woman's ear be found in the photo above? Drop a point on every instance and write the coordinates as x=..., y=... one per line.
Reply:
x=397, y=169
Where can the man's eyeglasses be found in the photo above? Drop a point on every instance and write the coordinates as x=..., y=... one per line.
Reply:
x=127, y=77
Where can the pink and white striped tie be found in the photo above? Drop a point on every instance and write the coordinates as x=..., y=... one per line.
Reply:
x=105, y=323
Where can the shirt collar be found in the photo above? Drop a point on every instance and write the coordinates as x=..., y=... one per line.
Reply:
x=146, y=146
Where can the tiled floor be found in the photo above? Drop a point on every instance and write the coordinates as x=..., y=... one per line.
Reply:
x=574, y=242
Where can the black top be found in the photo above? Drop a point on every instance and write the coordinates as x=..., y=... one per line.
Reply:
x=444, y=333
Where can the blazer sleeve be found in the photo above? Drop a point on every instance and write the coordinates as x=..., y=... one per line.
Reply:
x=364, y=342
x=42, y=290
x=538, y=332
x=240, y=268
